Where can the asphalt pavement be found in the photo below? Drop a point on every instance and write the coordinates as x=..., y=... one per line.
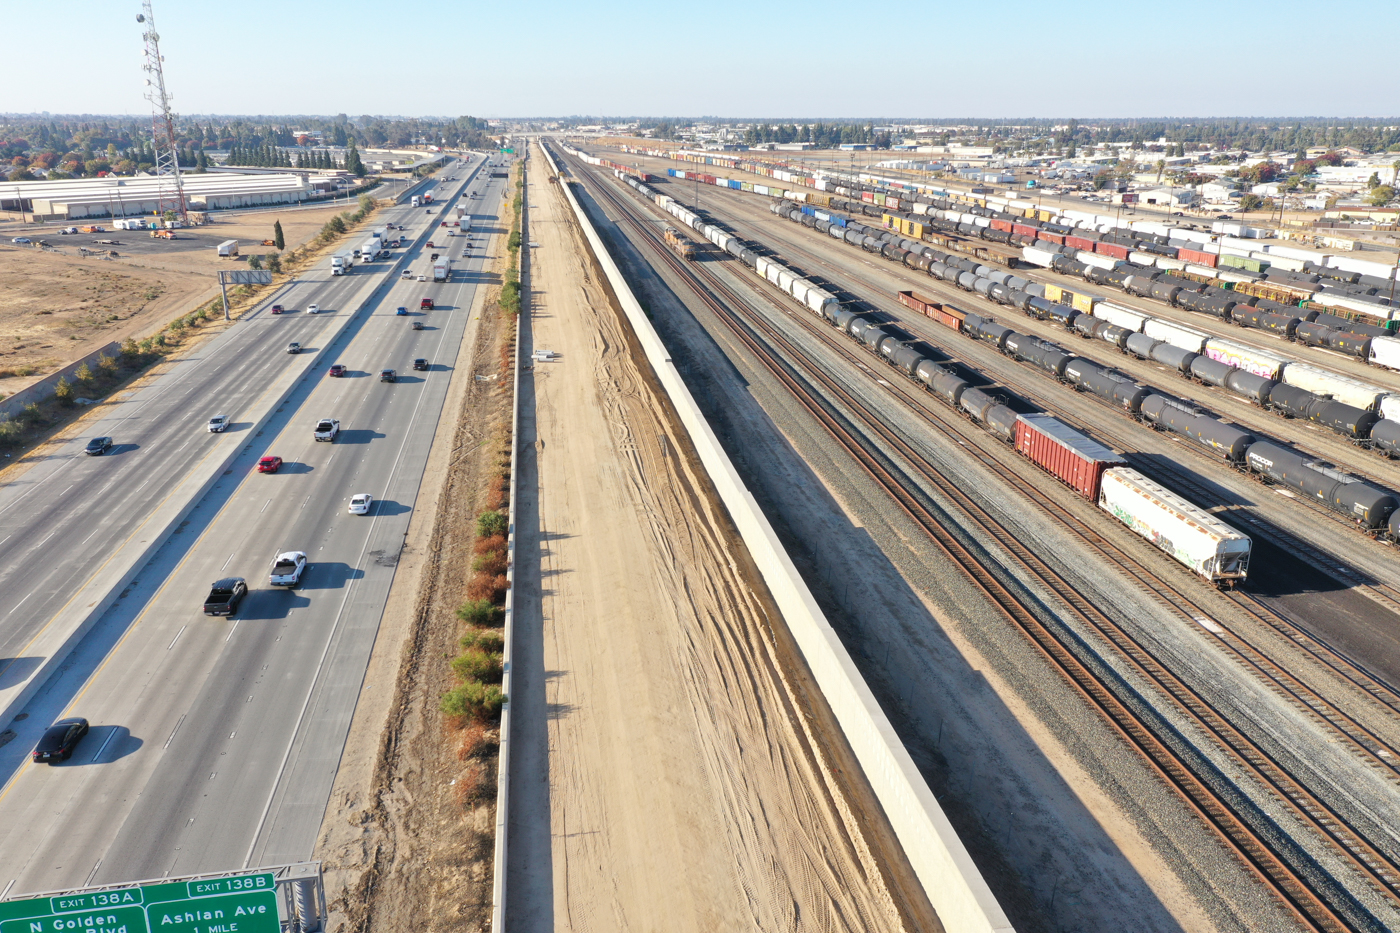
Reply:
x=215, y=741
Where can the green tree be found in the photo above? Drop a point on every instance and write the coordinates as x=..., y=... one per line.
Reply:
x=274, y=262
x=1381, y=195
x=63, y=391
x=83, y=374
x=353, y=165
x=336, y=224
x=1250, y=202
x=277, y=239
x=254, y=262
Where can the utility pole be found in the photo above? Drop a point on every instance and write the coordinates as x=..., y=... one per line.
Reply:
x=162, y=119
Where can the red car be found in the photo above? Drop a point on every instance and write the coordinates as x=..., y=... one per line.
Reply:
x=276, y=309
x=425, y=305
x=269, y=464
x=430, y=244
x=336, y=370
x=443, y=224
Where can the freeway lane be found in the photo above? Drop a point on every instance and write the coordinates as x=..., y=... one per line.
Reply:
x=216, y=740
x=66, y=518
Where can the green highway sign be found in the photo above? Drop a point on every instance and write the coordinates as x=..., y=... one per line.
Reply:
x=237, y=904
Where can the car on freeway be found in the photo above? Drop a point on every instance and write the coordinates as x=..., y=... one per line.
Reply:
x=388, y=375
x=59, y=740
x=417, y=325
x=287, y=568
x=337, y=370
x=443, y=224
x=293, y=347
x=218, y=424
x=425, y=304
x=421, y=364
x=406, y=274
x=98, y=446
x=402, y=311
x=22, y=241
x=269, y=464
x=430, y=245
x=277, y=309
x=313, y=309
x=359, y=504
x=224, y=596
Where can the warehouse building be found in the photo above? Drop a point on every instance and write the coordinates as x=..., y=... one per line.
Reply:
x=81, y=198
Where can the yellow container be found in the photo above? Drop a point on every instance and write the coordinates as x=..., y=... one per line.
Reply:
x=1084, y=304
x=1055, y=293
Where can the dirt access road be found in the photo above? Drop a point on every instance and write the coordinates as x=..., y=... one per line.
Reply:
x=670, y=770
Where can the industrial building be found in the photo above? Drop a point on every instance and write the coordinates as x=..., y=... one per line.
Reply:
x=143, y=195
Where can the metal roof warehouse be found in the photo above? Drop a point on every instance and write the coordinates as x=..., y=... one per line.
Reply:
x=131, y=197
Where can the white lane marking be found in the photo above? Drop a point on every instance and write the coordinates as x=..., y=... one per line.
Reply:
x=93, y=874
x=265, y=505
x=98, y=757
x=94, y=531
x=7, y=889
x=65, y=492
x=177, y=637
x=20, y=603
x=230, y=557
x=46, y=540
x=175, y=730
x=231, y=631
x=304, y=504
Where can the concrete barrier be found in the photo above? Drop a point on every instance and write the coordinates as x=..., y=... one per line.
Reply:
x=498, y=868
x=952, y=882
x=43, y=388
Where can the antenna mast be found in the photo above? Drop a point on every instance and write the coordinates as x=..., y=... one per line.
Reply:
x=162, y=119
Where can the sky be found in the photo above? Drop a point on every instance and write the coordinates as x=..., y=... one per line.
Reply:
x=517, y=58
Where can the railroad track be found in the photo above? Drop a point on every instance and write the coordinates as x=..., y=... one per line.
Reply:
x=1318, y=902
x=1185, y=481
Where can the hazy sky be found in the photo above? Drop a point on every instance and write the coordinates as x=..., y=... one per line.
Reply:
x=1090, y=58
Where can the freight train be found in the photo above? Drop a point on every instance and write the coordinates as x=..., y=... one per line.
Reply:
x=1372, y=509
x=1200, y=541
x=1366, y=414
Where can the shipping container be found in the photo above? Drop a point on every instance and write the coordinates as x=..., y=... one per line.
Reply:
x=1175, y=334
x=1064, y=452
x=1125, y=318
x=1198, y=540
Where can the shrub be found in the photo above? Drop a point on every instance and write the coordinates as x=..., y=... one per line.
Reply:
x=63, y=392
x=492, y=523
x=513, y=243
x=477, y=664
x=83, y=373
x=477, y=700
x=488, y=544
x=492, y=563
x=479, y=612
x=107, y=364
x=130, y=348
x=486, y=587
x=486, y=639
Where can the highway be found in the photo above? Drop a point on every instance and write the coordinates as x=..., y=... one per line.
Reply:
x=215, y=741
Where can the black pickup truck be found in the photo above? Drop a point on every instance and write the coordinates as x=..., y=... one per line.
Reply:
x=224, y=596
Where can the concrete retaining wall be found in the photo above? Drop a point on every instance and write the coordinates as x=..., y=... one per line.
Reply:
x=43, y=388
x=952, y=882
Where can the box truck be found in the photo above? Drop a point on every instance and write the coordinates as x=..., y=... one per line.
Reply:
x=442, y=269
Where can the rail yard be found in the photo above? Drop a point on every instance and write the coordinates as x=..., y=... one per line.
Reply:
x=940, y=387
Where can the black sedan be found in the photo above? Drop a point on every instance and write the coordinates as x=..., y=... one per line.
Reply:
x=60, y=740
x=420, y=364
x=98, y=446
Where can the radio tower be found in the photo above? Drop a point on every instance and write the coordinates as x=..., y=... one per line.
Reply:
x=162, y=119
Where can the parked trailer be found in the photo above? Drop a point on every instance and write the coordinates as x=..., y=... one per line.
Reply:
x=1070, y=456
x=228, y=249
x=1198, y=540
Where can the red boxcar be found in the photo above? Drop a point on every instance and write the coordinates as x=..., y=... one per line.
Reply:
x=1024, y=230
x=1064, y=452
x=1079, y=242
x=868, y=197
x=1197, y=257
x=916, y=301
x=1057, y=238
x=1001, y=225
x=1112, y=249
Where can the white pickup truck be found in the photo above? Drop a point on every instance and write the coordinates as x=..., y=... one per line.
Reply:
x=327, y=429
x=287, y=568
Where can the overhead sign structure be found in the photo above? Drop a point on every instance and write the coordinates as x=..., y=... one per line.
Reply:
x=242, y=277
x=235, y=904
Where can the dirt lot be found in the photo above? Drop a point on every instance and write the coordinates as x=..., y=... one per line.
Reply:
x=671, y=766
x=56, y=306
